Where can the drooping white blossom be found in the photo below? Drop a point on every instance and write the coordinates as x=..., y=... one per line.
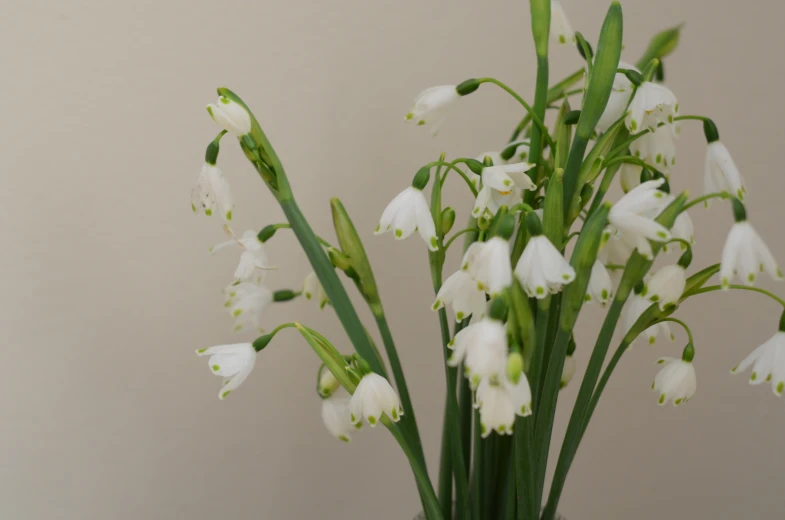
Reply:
x=542, y=270
x=561, y=30
x=633, y=217
x=667, y=285
x=636, y=305
x=406, y=213
x=212, y=191
x=502, y=184
x=431, y=106
x=629, y=176
x=675, y=382
x=461, y=292
x=328, y=383
x=232, y=362
x=482, y=347
x=337, y=417
x=312, y=290
x=373, y=397
x=600, y=287
x=768, y=363
x=683, y=230
x=651, y=105
x=657, y=148
x=230, y=116
x=253, y=261
x=618, y=100
x=499, y=402
x=721, y=173
x=246, y=303
x=746, y=254
x=489, y=264
x=568, y=371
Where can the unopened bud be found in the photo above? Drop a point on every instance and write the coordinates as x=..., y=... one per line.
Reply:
x=514, y=367
x=448, y=219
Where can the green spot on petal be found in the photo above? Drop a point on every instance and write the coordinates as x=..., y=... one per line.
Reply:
x=483, y=429
x=420, y=122
x=344, y=438
x=208, y=212
x=540, y=290
x=436, y=304
x=652, y=340
x=654, y=297
x=409, y=116
x=662, y=234
x=565, y=276
x=751, y=277
x=353, y=418
x=395, y=415
x=237, y=312
x=780, y=387
x=501, y=428
x=434, y=243
x=662, y=399
x=658, y=159
x=605, y=294
x=398, y=233
x=225, y=393
x=562, y=39
x=587, y=298
x=216, y=368
x=633, y=125
x=459, y=316
x=228, y=215
x=201, y=350
x=754, y=376
x=372, y=420
x=768, y=378
x=678, y=401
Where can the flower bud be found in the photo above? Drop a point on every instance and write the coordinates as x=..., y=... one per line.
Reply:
x=584, y=46
x=533, y=224
x=710, y=131
x=338, y=259
x=421, y=178
x=467, y=87
x=448, y=219
x=353, y=249
x=514, y=367
x=686, y=258
x=230, y=116
x=634, y=76
x=211, y=154
x=262, y=341
x=661, y=45
x=284, y=295
x=328, y=383
x=498, y=310
x=689, y=353
x=267, y=233
x=571, y=117
x=476, y=166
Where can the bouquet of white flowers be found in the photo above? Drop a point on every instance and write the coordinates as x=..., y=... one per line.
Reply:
x=541, y=242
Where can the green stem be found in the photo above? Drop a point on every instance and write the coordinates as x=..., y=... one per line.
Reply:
x=554, y=93
x=540, y=104
x=704, y=198
x=289, y=226
x=534, y=115
x=451, y=166
x=605, y=184
x=476, y=502
x=456, y=235
x=683, y=326
x=445, y=466
x=631, y=159
x=712, y=288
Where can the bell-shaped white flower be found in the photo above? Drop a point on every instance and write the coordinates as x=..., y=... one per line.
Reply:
x=489, y=265
x=630, y=217
x=746, y=254
x=253, y=261
x=568, y=371
x=232, y=362
x=675, y=382
x=629, y=176
x=721, y=173
x=212, y=191
x=312, y=290
x=768, y=363
x=658, y=147
x=667, y=285
x=521, y=153
x=636, y=305
x=542, y=270
x=337, y=417
x=497, y=411
x=328, y=383
x=496, y=158
x=651, y=105
x=618, y=100
x=246, y=303
x=561, y=30
x=373, y=397
x=683, y=230
x=431, y=106
x=502, y=184
x=482, y=347
x=408, y=212
x=230, y=116
x=600, y=287
x=461, y=292
x=614, y=256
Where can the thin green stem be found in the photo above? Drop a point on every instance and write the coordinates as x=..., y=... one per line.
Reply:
x=537, y=119
x=451, y=166
x=476, y=497
x=704, y=198
x=683, y=325
x=712, y=288
x=289, y=226
x=555, y=92
x=456, y=235
x=691, y=117
x=631, y=159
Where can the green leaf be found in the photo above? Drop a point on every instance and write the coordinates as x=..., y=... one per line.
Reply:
x=697, y=280
x=662, y=44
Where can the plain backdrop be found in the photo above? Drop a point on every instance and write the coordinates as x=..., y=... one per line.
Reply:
x=107, y=287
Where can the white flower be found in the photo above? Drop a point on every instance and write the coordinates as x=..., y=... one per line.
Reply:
x=431, y=106
x=253, y=261
x=616, y=252
x=568, y=372
x=561, y=30
x=482, y=346
x=768, y=363
x=600, y=286
x=489, y=264
x=636, y=305
x=675, y=382
x=496, y=158
x=618, y=100
x=682, y=229
x=499, y=403
x=408, y=212
x=746, y=254
x=230, y=116
x=336, y=416
x=461, y=292
x=232, y=362
x=651, y=105
x=657, y=147
x=629, y=176
x=328, y=383
x=211, y=191
x=373, y=397
x=542, y=269
x=521, y=150
x=501, y=185
x=246, y=302
x=721, y=173
x=312, y=290
x=629, y=216
x=667, y=285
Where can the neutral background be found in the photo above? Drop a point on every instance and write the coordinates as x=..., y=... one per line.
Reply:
x=108, y=287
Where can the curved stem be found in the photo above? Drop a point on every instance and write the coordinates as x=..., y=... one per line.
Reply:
x=456, y=235
x=631, y=159
x=683, y=325
x=704, y=198
x=681, y=241
x=526, y=106
x=691, y=118
x=712, y=288
x=555, y=92
x=451, y=166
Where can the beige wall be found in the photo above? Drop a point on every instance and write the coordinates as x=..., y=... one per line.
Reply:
x=106, y=412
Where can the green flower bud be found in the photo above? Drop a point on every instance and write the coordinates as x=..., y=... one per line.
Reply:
x=710, y=131
x=514, y=367
x=483, y=223
x=689, y=353
x=476, y=166
x=533, y=224
x=583, y=47
x=448, y=219
x=262, y=341
x=686, y=258
x=586, y=194
x=661, y=45
x=421, y=178
x=267, y=233
x=338, y=259
x=541, y=25
x=327, y=383
x=498, y=309
x=211, y=154
x=634, y=76
x=739, y=211
x=553, y=209
x=467, y=87
x=284, y=295
x=353, y=249
x=505, y=226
